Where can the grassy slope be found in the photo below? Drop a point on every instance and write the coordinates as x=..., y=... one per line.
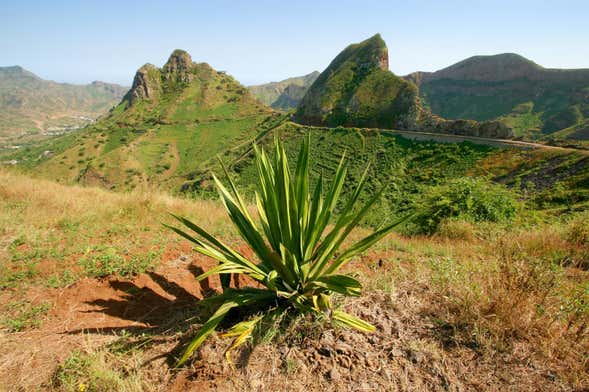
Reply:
x=488, y=305
x=409, y=168
x=528, y=105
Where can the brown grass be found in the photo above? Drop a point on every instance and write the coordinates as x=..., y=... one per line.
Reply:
x=473, y=308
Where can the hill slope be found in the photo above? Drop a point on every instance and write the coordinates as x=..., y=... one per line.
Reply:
x=409, y=168
x=510, y=87
x=285, y=94
x=172, y=119
x=29, y=103
x=114, y=296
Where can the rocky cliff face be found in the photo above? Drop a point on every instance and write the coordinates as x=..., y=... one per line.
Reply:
x=146, y=84
x=178, y=68
x=150, y=81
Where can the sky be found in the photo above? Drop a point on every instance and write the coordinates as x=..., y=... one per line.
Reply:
x=261, y=41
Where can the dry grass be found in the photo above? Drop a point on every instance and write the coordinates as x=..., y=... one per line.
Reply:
x=474, y=307
x=518, y=294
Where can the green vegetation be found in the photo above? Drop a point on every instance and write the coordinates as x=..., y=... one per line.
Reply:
x=100, y=370
x=465, y=198
x=510, y=88
x=357, y=89
x=297, y=265
x=24, y=315
x=408, y=168
x=104, y=262
x=525, y=123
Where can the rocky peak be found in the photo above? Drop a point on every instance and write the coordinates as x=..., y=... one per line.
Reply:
x=357, y=89
x=146, y=84
x=382, y=53
x=178, y=66
x=369, y=54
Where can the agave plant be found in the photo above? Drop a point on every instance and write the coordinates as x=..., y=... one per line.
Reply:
x=297, y=251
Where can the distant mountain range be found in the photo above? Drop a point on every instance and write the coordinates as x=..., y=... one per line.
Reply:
x=535, y=101
x=31, y=104
x=285, y=94
x=173, y=123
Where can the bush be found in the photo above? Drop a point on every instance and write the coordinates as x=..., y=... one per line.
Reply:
x=578, y=230
x=456, y=230
x=470, y=199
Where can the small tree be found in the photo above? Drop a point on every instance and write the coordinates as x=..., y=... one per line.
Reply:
x=297, y=255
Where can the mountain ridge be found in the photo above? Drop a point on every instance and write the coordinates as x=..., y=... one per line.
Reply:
x=172, y=119
x=538, y=101
x=357, y=89
x=285, y=94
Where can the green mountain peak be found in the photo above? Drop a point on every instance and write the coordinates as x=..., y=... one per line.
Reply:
x=357, y=89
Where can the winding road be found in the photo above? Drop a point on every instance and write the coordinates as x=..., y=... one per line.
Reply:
x=448, y=138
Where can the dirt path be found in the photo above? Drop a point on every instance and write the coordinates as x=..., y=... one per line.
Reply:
x=175, y=160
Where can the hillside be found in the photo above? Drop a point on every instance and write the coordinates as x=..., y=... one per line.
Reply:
x=358, y=90
x=534, y=100
x=30, y=105
x=113, y=294
x=409, y=168
x=172, y=119
x=285, y=94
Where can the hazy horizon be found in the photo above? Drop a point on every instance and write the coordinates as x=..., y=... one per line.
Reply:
x=269, y=41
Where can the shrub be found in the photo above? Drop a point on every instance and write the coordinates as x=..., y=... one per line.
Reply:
x=456, y=229
x=466, y=198
x=297, y=260
x=578, y=230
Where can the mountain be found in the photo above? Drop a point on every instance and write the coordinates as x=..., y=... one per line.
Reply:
x=285, y=94
x=534, y=100
x=171, y=120
x=358, y=90
x=31, y=104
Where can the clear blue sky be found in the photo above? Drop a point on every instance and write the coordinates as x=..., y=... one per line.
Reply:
x=260, y=41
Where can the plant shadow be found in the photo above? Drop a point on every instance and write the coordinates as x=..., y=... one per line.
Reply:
x=168, y=312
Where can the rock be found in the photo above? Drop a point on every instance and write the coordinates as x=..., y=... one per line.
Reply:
x=343, y=348
x=146, y=84
x=178, y=67
x=334, y=374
